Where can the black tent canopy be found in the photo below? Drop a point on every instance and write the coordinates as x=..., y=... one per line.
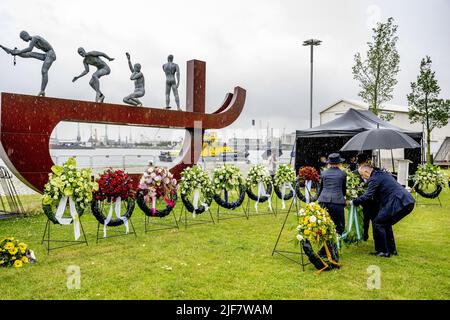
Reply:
x=331, y=136
x=351, y=123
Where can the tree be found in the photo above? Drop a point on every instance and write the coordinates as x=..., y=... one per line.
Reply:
x=376, y=74
x=424, y=105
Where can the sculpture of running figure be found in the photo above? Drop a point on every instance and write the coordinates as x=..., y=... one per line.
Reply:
x=139, y=84
x=93, y=58
x=170, y=70
x=48, y=56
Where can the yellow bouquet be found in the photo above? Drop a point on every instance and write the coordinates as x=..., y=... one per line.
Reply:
x=14, y=253
x=315, y=224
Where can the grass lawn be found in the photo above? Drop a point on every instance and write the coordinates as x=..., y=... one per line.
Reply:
x=228, y=260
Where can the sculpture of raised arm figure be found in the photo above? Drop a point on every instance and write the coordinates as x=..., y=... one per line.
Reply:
x=48, y=57
x=171, y=69
x=139, y=84
x=93, y=58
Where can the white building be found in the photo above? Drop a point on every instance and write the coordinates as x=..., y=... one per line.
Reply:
x=400, y=119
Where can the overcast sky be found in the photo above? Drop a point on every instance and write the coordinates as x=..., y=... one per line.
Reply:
x=253, y=44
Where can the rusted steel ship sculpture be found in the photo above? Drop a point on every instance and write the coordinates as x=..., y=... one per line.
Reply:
x=28, y=121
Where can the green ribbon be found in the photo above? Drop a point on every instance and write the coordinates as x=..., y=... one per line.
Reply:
x=352, y=216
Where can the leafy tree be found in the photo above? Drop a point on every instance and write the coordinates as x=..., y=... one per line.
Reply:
x=376, y=73
x=424, y=105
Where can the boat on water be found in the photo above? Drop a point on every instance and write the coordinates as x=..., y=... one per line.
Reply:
x=212, y=150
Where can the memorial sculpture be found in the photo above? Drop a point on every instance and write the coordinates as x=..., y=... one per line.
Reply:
x=139, y=84
x=93, y=58
x=29, y=138
x=48, y=57
x=171, y=70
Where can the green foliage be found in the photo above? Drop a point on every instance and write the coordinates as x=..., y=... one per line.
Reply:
x=424, y=105
x=70, y=182
x=355, y=185
x=285, y=174
x=196, y=178
x=258, y=173
x=376, y=73
x=429, y=175
x=227, y=177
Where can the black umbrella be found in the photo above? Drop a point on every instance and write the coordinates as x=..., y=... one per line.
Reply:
x=380, y=139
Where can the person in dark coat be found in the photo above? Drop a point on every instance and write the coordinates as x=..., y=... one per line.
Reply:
x=371, y=206
x=332, y=190
x=395, y=203
x=322, y=163
x=353, y=164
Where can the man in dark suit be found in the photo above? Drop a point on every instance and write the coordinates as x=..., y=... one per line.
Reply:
x=395, y=203
x=332, y=189
x=370, y=207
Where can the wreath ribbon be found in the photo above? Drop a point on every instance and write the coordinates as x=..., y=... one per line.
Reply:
x=262, y=193
x=308, y=184
x=330, y=259
x=117, y=208
x=73, y=213
x=168, y=201
x=153, y=198
x=352, y=216
x=283, y=193
x=195, y=200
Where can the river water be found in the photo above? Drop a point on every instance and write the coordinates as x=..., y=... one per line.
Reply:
x=133, y=161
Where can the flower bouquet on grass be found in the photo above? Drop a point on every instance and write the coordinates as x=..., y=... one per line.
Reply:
x=429, y=181
x=259, y=177
x=228, y=180
x=355, y=188
x=114, y=189
x=316, y=227
x=197, y=190
x=285, y=178
x=157, y=185
x=310, y=178
x=68, y=184
x=14, y=253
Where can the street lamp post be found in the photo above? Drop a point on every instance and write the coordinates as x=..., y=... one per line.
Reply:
x=312, y=43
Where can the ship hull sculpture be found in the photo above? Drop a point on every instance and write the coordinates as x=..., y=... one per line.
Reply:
x=28, y=121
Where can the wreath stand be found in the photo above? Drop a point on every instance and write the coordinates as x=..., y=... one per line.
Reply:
x=68, y=243
x=261, y=213
x=284, y=253
x=117, y=233
x=148, y=219
x=196, y=220
x=160, y=226
x=274, y=211
x=231, y=215
x=428, y=204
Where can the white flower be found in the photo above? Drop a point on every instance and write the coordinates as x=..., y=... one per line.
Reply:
x=300, y=237
x=312, y=219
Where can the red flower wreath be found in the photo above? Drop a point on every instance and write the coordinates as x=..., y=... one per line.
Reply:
x=309, y=173
x=114, y=184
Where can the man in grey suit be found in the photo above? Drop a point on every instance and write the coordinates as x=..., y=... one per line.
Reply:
x=332, y=190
